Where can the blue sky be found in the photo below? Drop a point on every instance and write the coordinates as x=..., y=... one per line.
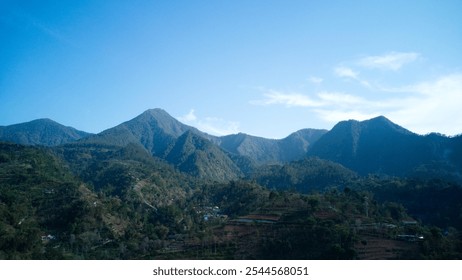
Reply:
x=265, y=68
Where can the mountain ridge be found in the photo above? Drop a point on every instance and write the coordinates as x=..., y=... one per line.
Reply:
x=374, y=146
x=143, y=129
x=158, y=113
x=43, y=131
x=380, y=146
x=157, y=131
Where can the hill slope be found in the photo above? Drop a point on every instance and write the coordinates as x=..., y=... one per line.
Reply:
x=264, y=151
x=380, y=146
x=40, y=132
x=307, y=175
x=154, y=129
x=200, y=157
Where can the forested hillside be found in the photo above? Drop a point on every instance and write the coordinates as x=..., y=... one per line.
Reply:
x=40, y=132
x=101, y=202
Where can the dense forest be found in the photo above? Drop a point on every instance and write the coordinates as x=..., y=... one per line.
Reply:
x=97, y=201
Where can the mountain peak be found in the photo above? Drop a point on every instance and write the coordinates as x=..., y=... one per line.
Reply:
x=154, y=129
x=44, y=131
x=379, y=123
x=370, y=146
x=156, y=112
x=382, y=123
x=380, y=118
x=158, y=119
x=44, y=121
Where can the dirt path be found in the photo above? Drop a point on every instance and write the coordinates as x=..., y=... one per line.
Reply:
x=138, y=186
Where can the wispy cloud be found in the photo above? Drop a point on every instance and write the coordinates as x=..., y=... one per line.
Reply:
x=315, y=80
x=25, y=20
x=431, y=106
x=274, y=97
x=390, y=61
x=347, y=72
x=322, y=99
x=335, y=115
x=341, y=99
x=211, y=125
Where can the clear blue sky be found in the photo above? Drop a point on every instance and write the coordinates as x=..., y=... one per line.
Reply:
x=266, y=68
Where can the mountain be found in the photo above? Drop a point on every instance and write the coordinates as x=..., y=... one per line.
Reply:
x=109, y=196
x=154, y=129
x=40, y=132
x=198, y=153
x=259, y=149
x=307, y=175
x=373, y=146
x=265, y=151
x=157, y=131
x=380, y=146
x=296, y=145
x=183, y=146
x=456, y=150
x=200, y=157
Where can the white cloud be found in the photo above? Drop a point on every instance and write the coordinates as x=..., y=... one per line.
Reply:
x=345, y=72
x=189, y=117
x=218, y=126
x=315, y=80
x=331, y=107
x=273, y=97
x=391, y=61
x=435, y=106
x=341, y=106
x=341, y=99
x=431, y=106
x=422, y=107
x=321, y=100
x=211, y=125
x=334, y=115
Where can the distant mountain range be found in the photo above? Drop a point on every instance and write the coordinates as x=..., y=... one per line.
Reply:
x=373, y=146
x=264, y=151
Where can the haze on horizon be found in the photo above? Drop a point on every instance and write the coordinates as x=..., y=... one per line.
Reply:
x=265, y=68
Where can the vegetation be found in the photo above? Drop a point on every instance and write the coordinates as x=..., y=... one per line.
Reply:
x=39, y=202
x=90, y=201
x=154, y=188
x=304, y=176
